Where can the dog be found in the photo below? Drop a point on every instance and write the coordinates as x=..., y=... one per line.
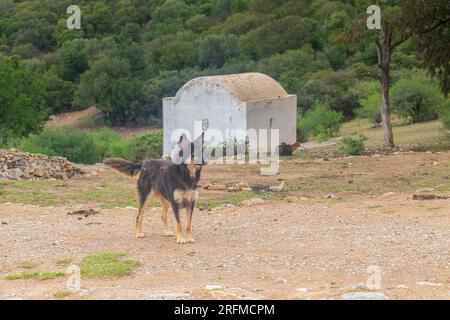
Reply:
x=288, y=149
x=174, y=183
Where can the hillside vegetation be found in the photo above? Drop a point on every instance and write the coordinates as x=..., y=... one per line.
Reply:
x=129, y=54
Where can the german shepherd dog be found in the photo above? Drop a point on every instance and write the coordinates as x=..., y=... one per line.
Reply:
x=173, y=182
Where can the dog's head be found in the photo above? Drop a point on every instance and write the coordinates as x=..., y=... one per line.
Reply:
x=190, y=155
x=190, y=152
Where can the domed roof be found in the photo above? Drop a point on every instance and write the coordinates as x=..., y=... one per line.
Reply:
x=244, y=86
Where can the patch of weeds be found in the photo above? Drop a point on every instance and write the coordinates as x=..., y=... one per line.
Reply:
x=62, y=294
x=27, y=264
x=230, y=198
x=295, y=186
x=35, y=275
x=23, y=275
x=271, y=196
x=108, y=264
x=50, y=275
x=353, y=145
x=64, y=261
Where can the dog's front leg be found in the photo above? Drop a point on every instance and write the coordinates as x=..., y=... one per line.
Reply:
x=189, y=212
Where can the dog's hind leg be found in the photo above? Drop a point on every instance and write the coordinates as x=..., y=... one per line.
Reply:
x=143, y=192
x=165, y=212
x=189, y=212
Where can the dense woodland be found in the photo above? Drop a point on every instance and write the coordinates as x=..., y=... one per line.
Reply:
x=129, y=54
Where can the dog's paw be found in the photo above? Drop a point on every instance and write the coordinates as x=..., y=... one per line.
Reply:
x=190, y=240
x=169, y=234
x=181, y=241
x=140, y=235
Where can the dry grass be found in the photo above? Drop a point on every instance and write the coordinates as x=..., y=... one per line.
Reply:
x=427, y=134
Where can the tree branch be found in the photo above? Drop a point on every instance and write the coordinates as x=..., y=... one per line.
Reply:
x=432, y=28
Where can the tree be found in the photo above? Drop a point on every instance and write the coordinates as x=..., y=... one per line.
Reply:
x=59, y=93
x=291, y=32
x=215, y=50
x=74, y=59
x=110, y=86
x=429, y=24
x=416, y=98
x=22, y=101
x=393, y=32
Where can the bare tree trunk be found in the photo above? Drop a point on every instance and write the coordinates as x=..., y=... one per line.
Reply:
x=386, y=109
x=384, y=51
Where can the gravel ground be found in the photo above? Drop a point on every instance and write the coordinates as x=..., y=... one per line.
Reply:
x=308, y=249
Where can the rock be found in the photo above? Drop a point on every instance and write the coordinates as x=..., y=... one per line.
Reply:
x=217, y=187
x=330, y=196
x=425, y=190
x=253, y=201
x=170, y=296
x=428, y=283
x=211, y=287
x=206, y=185
x=388, y=194
x=243, y=185
x=364, y=295
x=282, y=280
x=435, y=163
x=39, y=172
x=291, y=199
x=232, y=189
x=281, y=188
x=401, y=286
x=429, y=197
x=302, y=290
x=21, y=165
x=15, y=174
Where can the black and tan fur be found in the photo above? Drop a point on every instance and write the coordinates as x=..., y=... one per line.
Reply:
x=174, y=184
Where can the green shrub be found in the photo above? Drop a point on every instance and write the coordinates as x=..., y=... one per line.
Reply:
x=77, y=146
x=148, y=145
x=444, y=114
x=416, y=98
x=319, y=121
x=353, y=146
x=369, y=98
x=110, y=144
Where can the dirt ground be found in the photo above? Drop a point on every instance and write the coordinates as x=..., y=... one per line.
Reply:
x=297, y=245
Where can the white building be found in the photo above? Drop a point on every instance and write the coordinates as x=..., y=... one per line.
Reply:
x=240, y=101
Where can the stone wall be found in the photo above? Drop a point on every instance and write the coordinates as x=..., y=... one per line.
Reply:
x=18, y=165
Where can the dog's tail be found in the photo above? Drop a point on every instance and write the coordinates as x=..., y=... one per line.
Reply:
x=124, y=166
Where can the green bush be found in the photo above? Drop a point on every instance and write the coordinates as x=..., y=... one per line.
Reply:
x=369, y=98
x=148, y=145
x=416, y=98
x=353, y=146
x=92, y=147
x=66, y=142
x=319, y=121
x=444, y=114
x=77, y=146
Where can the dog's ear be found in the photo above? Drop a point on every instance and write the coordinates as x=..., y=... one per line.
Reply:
x=184, y=143
x=200, y=141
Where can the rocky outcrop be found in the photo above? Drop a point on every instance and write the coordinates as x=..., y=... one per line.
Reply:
x=18, y=165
